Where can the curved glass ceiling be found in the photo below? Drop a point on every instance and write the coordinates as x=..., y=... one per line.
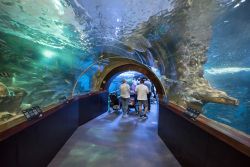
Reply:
x=46, y=44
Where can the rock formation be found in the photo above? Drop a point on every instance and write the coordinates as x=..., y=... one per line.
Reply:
x=182, y=47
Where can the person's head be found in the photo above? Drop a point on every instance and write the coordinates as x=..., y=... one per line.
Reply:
x=124, y=81
x=142, y=81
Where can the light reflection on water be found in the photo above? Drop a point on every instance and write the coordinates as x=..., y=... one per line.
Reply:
x=229, y=70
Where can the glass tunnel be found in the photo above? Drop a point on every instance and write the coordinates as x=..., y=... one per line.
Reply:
x=197, y=50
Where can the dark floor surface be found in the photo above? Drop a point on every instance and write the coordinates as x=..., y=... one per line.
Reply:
x=113, y=141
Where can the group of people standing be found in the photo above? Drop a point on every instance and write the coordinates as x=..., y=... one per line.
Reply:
x=143, y=93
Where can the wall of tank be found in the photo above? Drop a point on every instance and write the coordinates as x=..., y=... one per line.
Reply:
x=50, y=50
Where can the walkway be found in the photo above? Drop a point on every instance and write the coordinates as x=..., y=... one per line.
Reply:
x=113, y=141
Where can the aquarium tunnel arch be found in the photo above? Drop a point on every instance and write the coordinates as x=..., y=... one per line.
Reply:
x=62, y=49
x=117, y=65
x=132, y=67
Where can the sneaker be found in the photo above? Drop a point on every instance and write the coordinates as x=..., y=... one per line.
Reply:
x=136, y=113
x=125, y=115
x=145, y=116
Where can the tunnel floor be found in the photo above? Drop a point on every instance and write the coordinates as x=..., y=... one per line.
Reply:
x=111, y=141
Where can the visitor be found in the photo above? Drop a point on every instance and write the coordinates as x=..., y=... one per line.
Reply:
x=133, y=86
x=149, y=85
x=125, y=95
x=142, y=91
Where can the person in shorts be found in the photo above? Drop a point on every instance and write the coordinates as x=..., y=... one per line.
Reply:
x=142, y=91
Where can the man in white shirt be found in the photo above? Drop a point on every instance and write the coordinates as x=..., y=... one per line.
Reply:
x=125, y=95
x=142, y=91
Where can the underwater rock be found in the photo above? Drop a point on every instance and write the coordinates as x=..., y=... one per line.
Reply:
x=4, y=116
x=215, y=96
x=11, y=101
x=3, y=90
x=183, y=50
x=198, y=93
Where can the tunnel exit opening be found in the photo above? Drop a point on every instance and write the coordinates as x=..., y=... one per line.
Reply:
x=132, y=72
x=133, y=80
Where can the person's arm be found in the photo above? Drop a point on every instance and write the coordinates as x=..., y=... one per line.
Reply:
x=128, y=87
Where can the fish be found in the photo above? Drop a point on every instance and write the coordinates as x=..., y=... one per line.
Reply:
x=225, y=120
x=67, y=81
x=38, y=101
x=6, y=75
x=248, y=103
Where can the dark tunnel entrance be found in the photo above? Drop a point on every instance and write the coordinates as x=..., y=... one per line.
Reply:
x=132, y=79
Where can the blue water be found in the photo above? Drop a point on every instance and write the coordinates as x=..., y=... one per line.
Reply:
x=228, y=66
x=236, y=85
